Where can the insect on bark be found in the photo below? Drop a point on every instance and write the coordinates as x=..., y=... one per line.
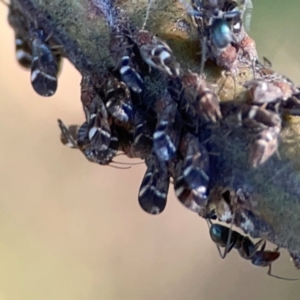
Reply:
x=155, y=185
x=167, y=132
x=44, y=68
x=118, y=99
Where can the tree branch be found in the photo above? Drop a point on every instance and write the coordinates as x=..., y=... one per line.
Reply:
x=271, y=192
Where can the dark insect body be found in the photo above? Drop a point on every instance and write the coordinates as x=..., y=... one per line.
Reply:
x=23, y=52
x=77, y=137
x=196, y=169
x=118, y=100
x=190, y=198
x=167, y=132
x=226, y=238
x=121, y=49
x=154, y=187
x=191, y=175
x=44, y=67
x=99, y=131
x=142, y=136
x=33, y=51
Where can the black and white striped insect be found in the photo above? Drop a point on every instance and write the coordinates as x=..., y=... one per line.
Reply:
x=196, y=170
x=23, y=51
x=45, y=64
x=33, y=51
x=118, y=99
x=192, y=173
x=190, y=198
x=142, y=136
x=22, y=41
x=98, y=127
x=156, y=53
x=76, y=137
x=120, y=47
x=129, y=74
x=154, y=187
x=167, y=132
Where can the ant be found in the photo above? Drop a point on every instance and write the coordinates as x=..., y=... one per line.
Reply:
x=227, y=238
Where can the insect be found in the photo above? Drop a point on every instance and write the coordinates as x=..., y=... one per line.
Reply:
x=118, y=99
x=28, y=40
x=224, y=237
x=264, y=127
x=98, y=127
x=122, y=51
x=88, y=92
x=129, y=75
x=291, y=106
x=216, y=35
x=190, y=198
x=222, y=32
x=142, y=136
x=45, y=65
x=168, y=127
x=265, y=77
x=120, y=45
x=196, y=169
x=213, y=20
x=22, y=42
x=191, y=178
x=200, y=96
x=156, y=53
x=68, y=135
x=262, y=92
x=248, y=49
x=76, y=137
x=97, y=119
x=154, y=187
x=23, y=52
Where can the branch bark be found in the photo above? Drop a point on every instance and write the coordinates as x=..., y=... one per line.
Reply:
x=272, y=190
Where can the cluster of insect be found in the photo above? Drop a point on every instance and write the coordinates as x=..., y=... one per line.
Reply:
x=169, y=129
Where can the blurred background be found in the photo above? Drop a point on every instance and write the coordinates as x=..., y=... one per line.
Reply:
x=70, y=229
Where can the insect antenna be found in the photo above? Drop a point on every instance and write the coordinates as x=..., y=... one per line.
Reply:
x=130, y=164
x=117, y=167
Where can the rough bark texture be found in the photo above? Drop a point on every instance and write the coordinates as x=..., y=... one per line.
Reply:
x=273, y=189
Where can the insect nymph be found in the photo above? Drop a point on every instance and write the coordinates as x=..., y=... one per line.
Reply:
x=44, y=67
